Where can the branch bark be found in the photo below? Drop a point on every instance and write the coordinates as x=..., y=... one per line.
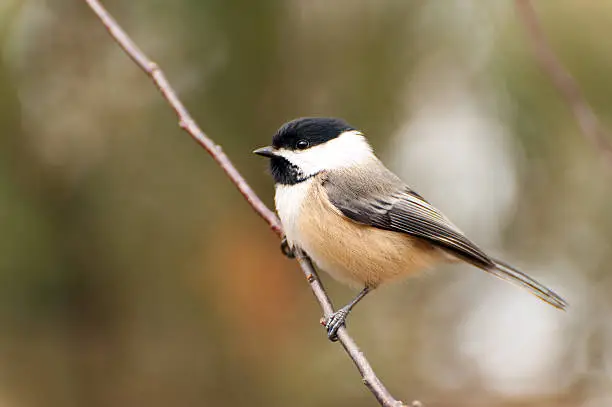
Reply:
x=564, y=82
x=187, y=123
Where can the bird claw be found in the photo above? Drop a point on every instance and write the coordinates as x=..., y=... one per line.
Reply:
x=335, y=322
x=287, y=249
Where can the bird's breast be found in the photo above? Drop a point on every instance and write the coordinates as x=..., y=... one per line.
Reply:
x=353, y=253
x=289, y=201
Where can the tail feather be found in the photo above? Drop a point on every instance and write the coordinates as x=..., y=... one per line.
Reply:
x=512, y=275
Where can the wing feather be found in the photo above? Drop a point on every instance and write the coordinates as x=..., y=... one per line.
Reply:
x=402, y=210
x=383, y=201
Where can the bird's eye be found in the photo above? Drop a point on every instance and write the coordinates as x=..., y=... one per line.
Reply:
x=302, y=144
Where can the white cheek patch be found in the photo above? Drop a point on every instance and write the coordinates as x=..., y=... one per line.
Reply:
x=348, y=149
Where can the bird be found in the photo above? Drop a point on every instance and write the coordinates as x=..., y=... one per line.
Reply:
x=358, y=221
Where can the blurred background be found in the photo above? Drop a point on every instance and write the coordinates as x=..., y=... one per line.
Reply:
x=133, y=273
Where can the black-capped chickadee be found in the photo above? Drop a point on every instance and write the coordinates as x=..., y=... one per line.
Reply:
x=357, y=220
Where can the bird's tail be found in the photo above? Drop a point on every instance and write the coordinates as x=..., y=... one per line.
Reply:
x=509, y=273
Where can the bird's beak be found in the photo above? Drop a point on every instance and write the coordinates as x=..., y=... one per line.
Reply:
x=267, y=151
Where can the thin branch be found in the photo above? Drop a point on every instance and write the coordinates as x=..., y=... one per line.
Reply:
x=185, y=120
x=187, y=123
x=564, y=82
x=368, y=376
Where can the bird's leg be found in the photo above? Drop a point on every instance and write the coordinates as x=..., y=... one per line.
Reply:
x=338, y=318
x=286, y=248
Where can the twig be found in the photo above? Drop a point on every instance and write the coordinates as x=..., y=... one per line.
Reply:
x=185, y=120
x=187, y=123
x=368, y=376
x=564, y=82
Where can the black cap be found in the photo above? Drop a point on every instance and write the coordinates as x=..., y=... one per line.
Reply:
x=314, y=130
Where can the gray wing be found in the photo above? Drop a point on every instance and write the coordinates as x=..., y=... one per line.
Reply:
x=379, y=199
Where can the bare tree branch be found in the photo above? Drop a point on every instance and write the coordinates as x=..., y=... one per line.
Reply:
x=368, y=376
x=187, y=123
x=185, y=120
x=564, y=82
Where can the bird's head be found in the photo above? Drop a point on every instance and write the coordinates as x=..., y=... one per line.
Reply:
x=307, y=146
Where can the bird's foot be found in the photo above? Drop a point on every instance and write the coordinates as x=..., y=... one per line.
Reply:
x=287, y=249
x=335, y=321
